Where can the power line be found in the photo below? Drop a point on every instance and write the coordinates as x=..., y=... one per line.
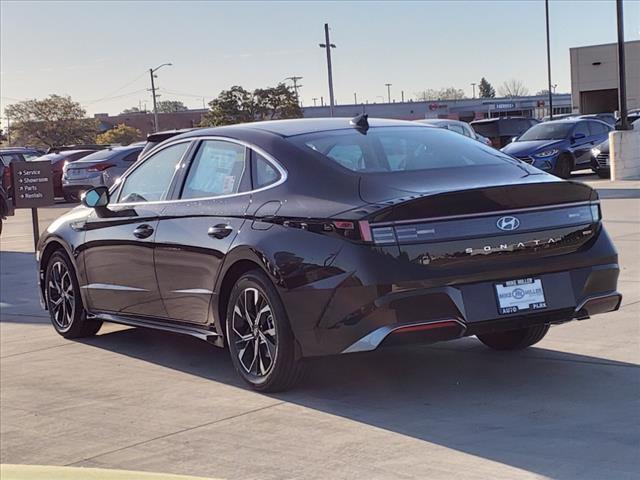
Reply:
x=108, y=95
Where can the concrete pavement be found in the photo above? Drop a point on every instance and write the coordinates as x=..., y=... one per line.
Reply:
x=143, y=400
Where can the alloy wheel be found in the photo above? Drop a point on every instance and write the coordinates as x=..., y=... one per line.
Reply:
x=254, y=332
x=61, y=296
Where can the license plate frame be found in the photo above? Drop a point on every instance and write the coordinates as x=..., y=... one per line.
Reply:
x=521, y=295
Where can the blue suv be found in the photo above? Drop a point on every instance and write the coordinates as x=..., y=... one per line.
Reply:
x=559, y=146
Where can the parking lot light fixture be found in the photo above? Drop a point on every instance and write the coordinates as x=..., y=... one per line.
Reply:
x=327, y=45
x=152, y=74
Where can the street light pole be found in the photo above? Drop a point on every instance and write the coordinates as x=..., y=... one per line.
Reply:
x=622, y=79
x=152, y=72
x=474, y=90
x=388, y=92
x=546, y=12
x=327, y=45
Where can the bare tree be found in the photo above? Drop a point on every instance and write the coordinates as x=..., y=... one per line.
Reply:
x=446, y=93
x=513, y=88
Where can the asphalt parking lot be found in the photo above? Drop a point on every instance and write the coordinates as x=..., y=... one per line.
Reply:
x=142, y=400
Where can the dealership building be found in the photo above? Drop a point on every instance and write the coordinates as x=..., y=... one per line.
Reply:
x=594, y=77
x=467, y=109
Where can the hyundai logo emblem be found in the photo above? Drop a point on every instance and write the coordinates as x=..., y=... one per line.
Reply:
x=508, y=223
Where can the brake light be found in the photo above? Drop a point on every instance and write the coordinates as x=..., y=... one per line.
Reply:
x=100, y=167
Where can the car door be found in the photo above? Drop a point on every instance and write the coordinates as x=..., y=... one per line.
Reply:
x=581, y=147
x=119, y=242
x=197, y=229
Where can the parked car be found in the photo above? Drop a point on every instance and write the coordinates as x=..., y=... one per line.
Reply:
x=560, y=116
x=457, y=126
x=297, y=238
x=501, y=130
x=58, y=161
x=559, y=146
x=6, y=206
x=632, y=116
x=100, y=168
x=600, y=162
x=608, y=118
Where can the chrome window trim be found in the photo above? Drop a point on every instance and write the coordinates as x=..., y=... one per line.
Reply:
x=265, y=154
x=487, y=214
x=120, y=185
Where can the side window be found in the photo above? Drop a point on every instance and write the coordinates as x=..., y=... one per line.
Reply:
x=597, y=128
x=151, y=180
x=264, y=173
x=217, y=169
x=9, y=158
x=583, y=128
x=456, y=128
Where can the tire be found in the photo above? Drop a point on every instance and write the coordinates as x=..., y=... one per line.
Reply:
x=277, y=366
x=564, y=165
x=64, y=302
x=514, y=339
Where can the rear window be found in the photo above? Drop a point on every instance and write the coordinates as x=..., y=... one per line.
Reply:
x=397, y=149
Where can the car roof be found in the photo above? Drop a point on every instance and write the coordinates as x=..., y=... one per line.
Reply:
x=498, y=119
x=576, y=120
x=62, y=154
x=438, y=121
x=111, y=152
x=299, y=126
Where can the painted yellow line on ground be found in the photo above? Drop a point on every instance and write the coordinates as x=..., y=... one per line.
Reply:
x=47, y=472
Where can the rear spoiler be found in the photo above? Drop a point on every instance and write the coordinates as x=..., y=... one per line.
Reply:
x=155, y=138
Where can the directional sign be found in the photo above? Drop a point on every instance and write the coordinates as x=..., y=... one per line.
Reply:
x=32, y=184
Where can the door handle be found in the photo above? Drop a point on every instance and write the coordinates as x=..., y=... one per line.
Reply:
x=143, y=231
x=219, y=231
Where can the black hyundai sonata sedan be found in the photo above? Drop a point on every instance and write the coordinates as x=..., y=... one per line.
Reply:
x=296, y=238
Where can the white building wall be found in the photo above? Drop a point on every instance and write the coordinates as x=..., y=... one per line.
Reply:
x=595, y=67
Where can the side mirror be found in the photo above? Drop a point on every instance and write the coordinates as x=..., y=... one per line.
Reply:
x=578, y=136
x=96, y=197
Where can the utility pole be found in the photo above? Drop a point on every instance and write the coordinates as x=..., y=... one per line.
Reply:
x=152, y=72
x=388, y=92
x=402, y=95
x=546, y=12
x=622, y=79
x=355, y=98
x=315, y=99
x=321, y=101
x=474, y=90
x=327, y=45
x=295, y=79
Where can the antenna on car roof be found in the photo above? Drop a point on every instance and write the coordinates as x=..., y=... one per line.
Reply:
x=360, y=122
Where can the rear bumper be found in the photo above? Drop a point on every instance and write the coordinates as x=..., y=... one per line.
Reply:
x=376, y=302
x=76, y=187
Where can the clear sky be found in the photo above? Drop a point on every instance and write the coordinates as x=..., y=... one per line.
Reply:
x=99, y=52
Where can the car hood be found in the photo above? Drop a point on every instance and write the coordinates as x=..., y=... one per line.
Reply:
x=375, y=188
x=530, y=147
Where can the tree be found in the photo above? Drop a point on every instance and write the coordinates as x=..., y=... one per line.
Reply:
x=121, y=134
x=513, y=88
x=171, y=106
x=132, y=110
x=238, y=105
x=447, y=93
x=52, y=121
x=485, y=89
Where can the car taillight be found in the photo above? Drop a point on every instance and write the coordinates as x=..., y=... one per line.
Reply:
x=100, y=167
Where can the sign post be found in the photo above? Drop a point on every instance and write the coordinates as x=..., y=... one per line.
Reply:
x=32, y=187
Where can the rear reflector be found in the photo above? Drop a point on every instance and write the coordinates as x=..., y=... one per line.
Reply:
x=427, y=326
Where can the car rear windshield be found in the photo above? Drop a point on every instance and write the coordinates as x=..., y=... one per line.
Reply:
x=106, y=154
x=547, y=131
x=395, y=149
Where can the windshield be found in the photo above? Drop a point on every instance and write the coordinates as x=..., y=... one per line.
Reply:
x=395, y=149
x=547, y=131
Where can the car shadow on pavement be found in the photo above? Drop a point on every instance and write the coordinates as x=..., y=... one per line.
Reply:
x=548, y=412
